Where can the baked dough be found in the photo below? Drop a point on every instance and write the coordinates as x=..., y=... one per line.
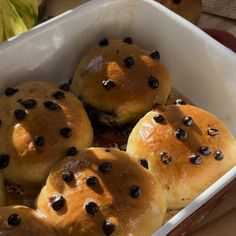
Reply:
x=185, y=147
x=119, y=82
x=23, y=221
x=40, y=123
x=102, y=192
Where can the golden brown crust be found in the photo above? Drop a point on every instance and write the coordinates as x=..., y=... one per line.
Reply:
x=132, y=96
x=30, y=222
x=28, y=162
x=131, y=216
x=2, y=192
x=189, y=9
x=181, y=179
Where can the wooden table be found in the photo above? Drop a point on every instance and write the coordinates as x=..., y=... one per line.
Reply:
x=211, y=21
x=221, y=221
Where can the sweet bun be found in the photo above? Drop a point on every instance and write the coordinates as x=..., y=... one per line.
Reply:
x=185, y=147
x=119, y=82
x=23, y=221
x=2, y=192
x=189, y=9
x=40, y=124
x=102, y=192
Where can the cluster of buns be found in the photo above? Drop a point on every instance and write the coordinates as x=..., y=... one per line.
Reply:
x=174, y=152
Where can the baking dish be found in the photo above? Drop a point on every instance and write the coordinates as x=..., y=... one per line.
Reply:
x=202, y=69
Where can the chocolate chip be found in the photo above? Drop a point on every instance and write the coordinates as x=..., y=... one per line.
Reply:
x=52, y=106
x=144, y=163
x=153, y=82
x=39, y=141
x=105, y=167
x=66, y=132
x=67, y=176
x=107, y=150
x=187, y=121
x=180, y=134
x=104, y=42
x=91, y=208
x=108, y=227
x=4, y=161
x=219, y=155
x=176, y=1
x=206, y=151
x=179, y=101
x=128, y=40
x=58, y=95
x=10, y=91
x=165, y=158
x=91, y=181
x=155, y=55
x=29, y=103
x=158, y=118
x=129, y=62
x=13, y=220
x=108, y=84
x=65, y=87
x=57, y=202
x=72, y=151
x=20, y=114
x=213, y=132
x=135, y=191
x=195, y=159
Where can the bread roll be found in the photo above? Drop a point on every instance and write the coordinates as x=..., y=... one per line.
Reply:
x=40, y=125
x=189, y=9
x=23, y=221
x=2, y=192
x=102, y=192
x=185, y=147
x=119, y=82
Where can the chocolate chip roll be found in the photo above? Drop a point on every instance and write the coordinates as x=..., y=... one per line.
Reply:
x=189, y=9
x=23, y=221
x=102, y=192
x=185, y=147
x=40, y=124
x=119, y=82
x=2, y=192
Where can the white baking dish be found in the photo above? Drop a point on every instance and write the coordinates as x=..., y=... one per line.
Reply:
x=201, y=68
